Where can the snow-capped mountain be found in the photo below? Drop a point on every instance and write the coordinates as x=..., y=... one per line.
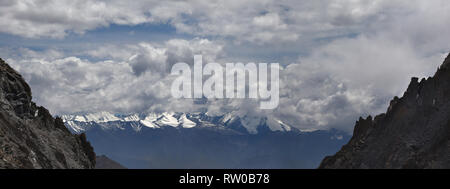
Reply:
x=200, y=140
x=106, y=120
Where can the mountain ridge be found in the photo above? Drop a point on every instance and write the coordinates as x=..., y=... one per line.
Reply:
x=246, y=124
x=413, y=133
x=214, y=142
x=103, y=162
x=29, y=135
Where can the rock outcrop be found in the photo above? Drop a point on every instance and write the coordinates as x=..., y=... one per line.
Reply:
x=413, y=133
x=29, y=136
x=103, y=162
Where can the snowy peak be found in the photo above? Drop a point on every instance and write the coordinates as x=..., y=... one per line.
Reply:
x=99, y=117
x=168, y=119
x=133, y=117
x=149, y=120
x=277, y=125
x=185, y=122
x=253, y=123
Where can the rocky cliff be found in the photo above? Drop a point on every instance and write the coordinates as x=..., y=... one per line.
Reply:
x=29, y=136
x=413, y=133
x=103, y=162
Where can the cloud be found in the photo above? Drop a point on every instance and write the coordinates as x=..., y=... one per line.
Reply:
x=133, y=80
x=159, y=57
x=329, y=88
x=149, y=58
x=255, y=21
x=355, y=55
x=349, y=78
x=56, y=19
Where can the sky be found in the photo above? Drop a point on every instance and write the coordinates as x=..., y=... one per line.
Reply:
x=340, y=59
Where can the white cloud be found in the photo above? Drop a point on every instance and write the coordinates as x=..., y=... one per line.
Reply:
x=42, y=18
x=328, y=89
x=133, y=80
x=270, y=20
x=359, y=53
x=349, y=78
x=256, y=21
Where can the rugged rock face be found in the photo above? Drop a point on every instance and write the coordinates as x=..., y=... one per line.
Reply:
x=29, y=136
x=103, y=162
x=413, y=133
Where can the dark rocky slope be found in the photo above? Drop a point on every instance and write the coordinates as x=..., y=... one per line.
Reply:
x=413, y=133
x=103, y=162
x=29, y=136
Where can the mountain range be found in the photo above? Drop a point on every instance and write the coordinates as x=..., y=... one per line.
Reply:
x=413, y=133
x=230, y=121
x=199, y=140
